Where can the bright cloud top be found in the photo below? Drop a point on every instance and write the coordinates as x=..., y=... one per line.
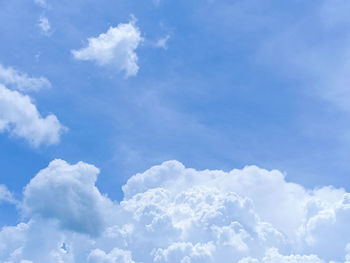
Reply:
x=21, y=81
x=115, y=48
x=20, y=117
x=174, y=214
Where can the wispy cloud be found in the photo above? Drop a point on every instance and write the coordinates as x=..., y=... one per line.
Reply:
x=41, y=3
x=21, y=81
x=163, y=42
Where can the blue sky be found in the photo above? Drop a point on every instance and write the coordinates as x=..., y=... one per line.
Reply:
x=236, y=83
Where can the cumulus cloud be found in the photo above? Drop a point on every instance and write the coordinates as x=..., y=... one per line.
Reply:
x=116, y=256
x=273, y=256
x=114, y=48
x=171, y=213
x=41, y=3
x=21, y=81
x=20, y=117
x=68, y=194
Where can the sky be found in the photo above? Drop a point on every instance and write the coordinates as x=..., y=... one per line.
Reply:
x=169, y=131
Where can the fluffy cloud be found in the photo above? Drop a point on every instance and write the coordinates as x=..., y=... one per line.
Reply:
x=115, y=48
x=116, y=256
x=21, y=81
x=20, y=117
x=68, y=194
x=174, y=214
x=272, y=256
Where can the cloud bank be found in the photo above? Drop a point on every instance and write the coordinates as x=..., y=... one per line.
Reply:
x=115, y=48
x=20, y=117
x=174, y=214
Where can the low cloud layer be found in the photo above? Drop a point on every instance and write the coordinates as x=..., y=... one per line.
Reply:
x=20, y=117
x=115, y=48
x=174, y=214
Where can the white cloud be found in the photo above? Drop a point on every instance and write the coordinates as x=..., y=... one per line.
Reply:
x=44, y=25
x=116, y=255
x=185, y=252
x=21, y=81
x=20, y=117
x=114, y=48
x=174, y=214
x=68, y=193
x=5, y=195
x=273, y=256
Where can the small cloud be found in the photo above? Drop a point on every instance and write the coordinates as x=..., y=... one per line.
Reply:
x=114, y=48
x=21, y=81
x=20, y=117
x=6, y=196
x=163, y=42
x=44, y=25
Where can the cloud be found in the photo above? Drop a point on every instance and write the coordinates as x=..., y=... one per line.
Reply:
x=5, y=195
x=21, y=81
x=114, y=48
x=44, y=25
x=313, y=49
x=171, y=213
x=116, y=255
x=41, y=3
x=163, y=42
x=273, y=256
x=67, y=193
x=20, y=117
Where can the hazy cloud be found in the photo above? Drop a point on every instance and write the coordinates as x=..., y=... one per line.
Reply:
x=44, y=25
